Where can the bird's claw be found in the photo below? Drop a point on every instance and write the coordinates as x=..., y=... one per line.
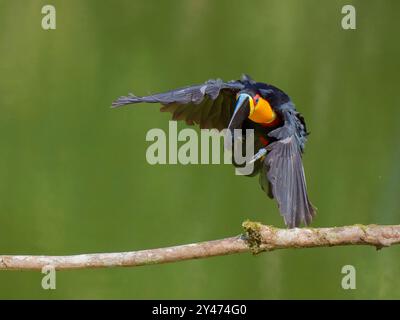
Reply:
x=258, y=155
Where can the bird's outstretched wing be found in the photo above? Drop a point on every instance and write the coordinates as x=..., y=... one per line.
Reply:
x=210, y=105
x=282, y=175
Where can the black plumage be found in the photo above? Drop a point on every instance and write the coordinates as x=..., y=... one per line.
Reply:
x=212, y=105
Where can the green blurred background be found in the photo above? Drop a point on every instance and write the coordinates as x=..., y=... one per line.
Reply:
x=74, y=177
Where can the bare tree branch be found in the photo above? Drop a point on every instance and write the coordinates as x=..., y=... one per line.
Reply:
x=257, y=238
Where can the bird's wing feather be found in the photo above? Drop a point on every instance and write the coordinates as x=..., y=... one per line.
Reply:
x=203, y=104
x=282, y=176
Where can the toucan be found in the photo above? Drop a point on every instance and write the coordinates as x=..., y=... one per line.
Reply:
x=280, y=133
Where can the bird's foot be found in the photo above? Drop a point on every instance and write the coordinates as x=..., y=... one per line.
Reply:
x=262, y=152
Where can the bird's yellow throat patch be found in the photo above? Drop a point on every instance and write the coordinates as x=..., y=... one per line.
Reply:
x=261, y=111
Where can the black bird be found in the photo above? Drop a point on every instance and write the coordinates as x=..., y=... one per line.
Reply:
x=280, y=132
